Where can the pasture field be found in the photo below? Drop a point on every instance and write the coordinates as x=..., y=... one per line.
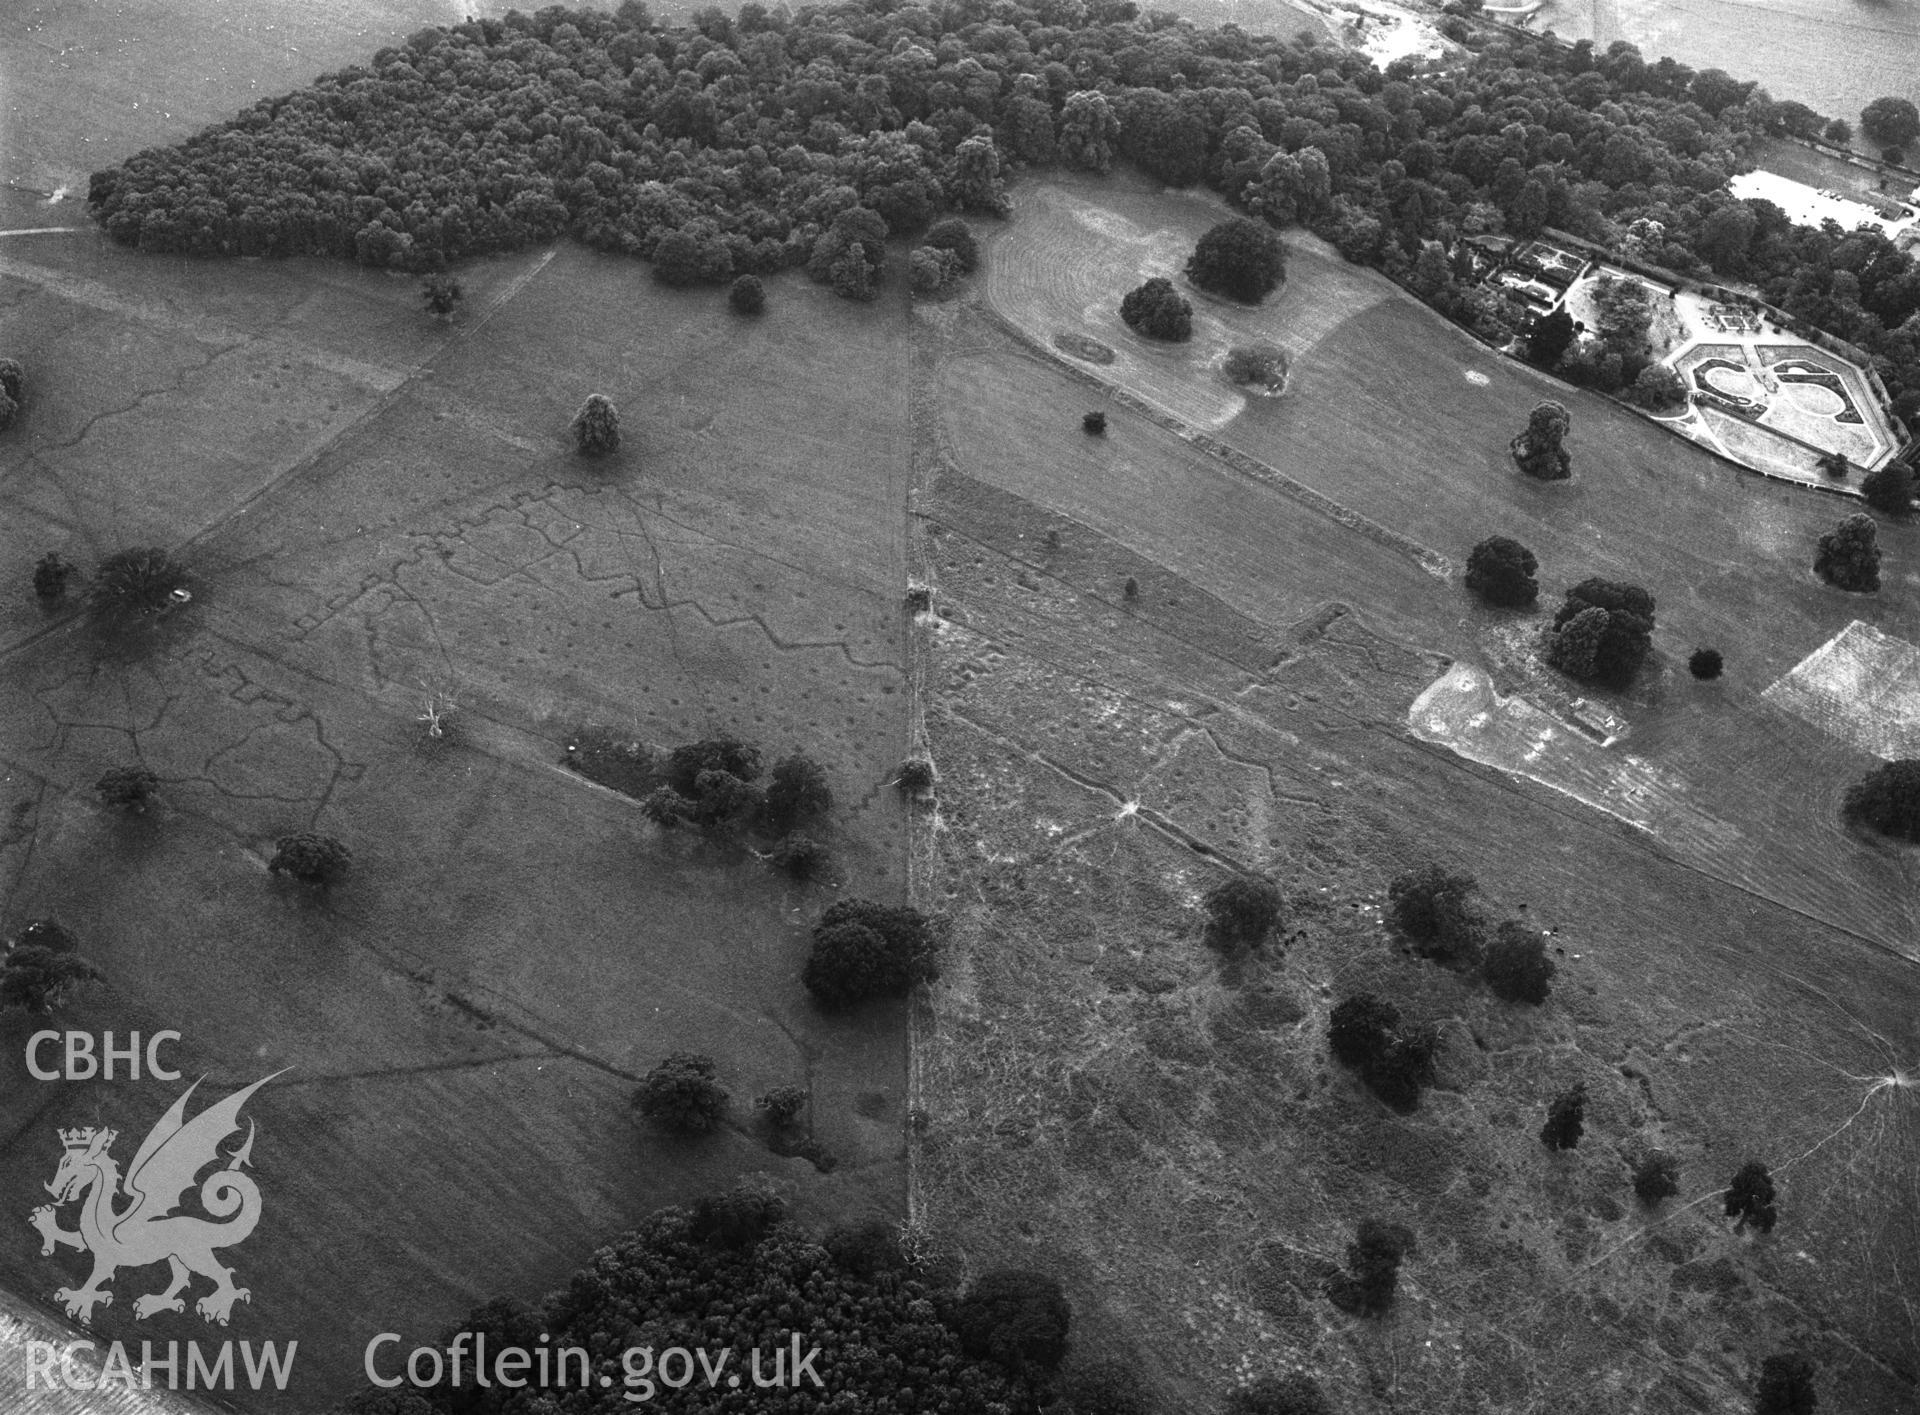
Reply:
x=1110, y=1099
x=1382, y=418
x=375, y=505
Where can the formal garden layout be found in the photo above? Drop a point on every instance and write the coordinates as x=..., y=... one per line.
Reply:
x=910, y=679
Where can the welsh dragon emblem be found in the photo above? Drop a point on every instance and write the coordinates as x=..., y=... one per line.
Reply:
x=147, y=1230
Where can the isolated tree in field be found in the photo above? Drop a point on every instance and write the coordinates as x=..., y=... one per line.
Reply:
x=1705, y=664
x=310, y=858
x=1516, y=967
x=747, y=295
x=950, y=233
x=1888, y=799
x=50, y=576
x=1658, y=387
x=1130, y=591
x=441, y=294
x=38, y=978
x=1094, y=423
x=1158, y=311
x=783, y=1105
x=797, y=794
x=596, y=427
x=1849, y=557
x=1549, y=338
x=1430, y=905
x=681, y=1094
x=1240, y=259
x=1408, y=1065
x=1367, y=1287
x=127, y=788
x=1566, y=1118
x=132, y=583
x=1538, y=449
x=1242, y=910
x=1890, y=489
x=1786, y=1386
x=13, y=380
x=1017, y=1318
x=1608, y=650
x=1655, y=1177
x=863, y=950
x=1294, y=1393
x=1750, y=1198
x=1892, y=122
x=1263, y=363
x=1501, y=571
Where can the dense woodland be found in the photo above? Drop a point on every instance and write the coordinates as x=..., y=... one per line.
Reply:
x=765, y=141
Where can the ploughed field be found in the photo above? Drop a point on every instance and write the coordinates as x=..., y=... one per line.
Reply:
x=377, y=506
x=1108, y=1097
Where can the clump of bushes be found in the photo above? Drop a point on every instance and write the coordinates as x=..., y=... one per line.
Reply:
x=1750, y=1198
x=797, y=794
x=801, y=856
x=441, y=294
x=932, y=272
x=1566, y=1118
x=311, y=858
x=1242, y=911
x=864, y=950
x=12, y=390
x=1016, y=1318
x=1094, y=423
x=1656, y=1176
x=127, y=788
x=681, y=1094
x=1430, y=905
x=50, y=576
x=1366, y=1288
x=1295, y=1393
x=1888, y=799
x=130, y=584
x=1786, y=1386
x=1394, y=1057
x=1156, y=310
x=1516, y=966
x=915, y=776
x=39, y=970
x=1264, y=364
x=954, y=236
x=738, y=1217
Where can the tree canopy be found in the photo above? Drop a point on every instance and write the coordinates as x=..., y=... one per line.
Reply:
x=1158, y=311
x=1240, y=259
x=1892, y=121
x=1848, y=556
x=755, y=135
x=1603, y=632
x=1501, y=571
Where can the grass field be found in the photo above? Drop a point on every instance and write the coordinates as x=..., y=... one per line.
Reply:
x=1111, y=1100
x=375, y=505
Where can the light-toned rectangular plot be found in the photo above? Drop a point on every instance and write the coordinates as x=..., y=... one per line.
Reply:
x=1861, y=686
